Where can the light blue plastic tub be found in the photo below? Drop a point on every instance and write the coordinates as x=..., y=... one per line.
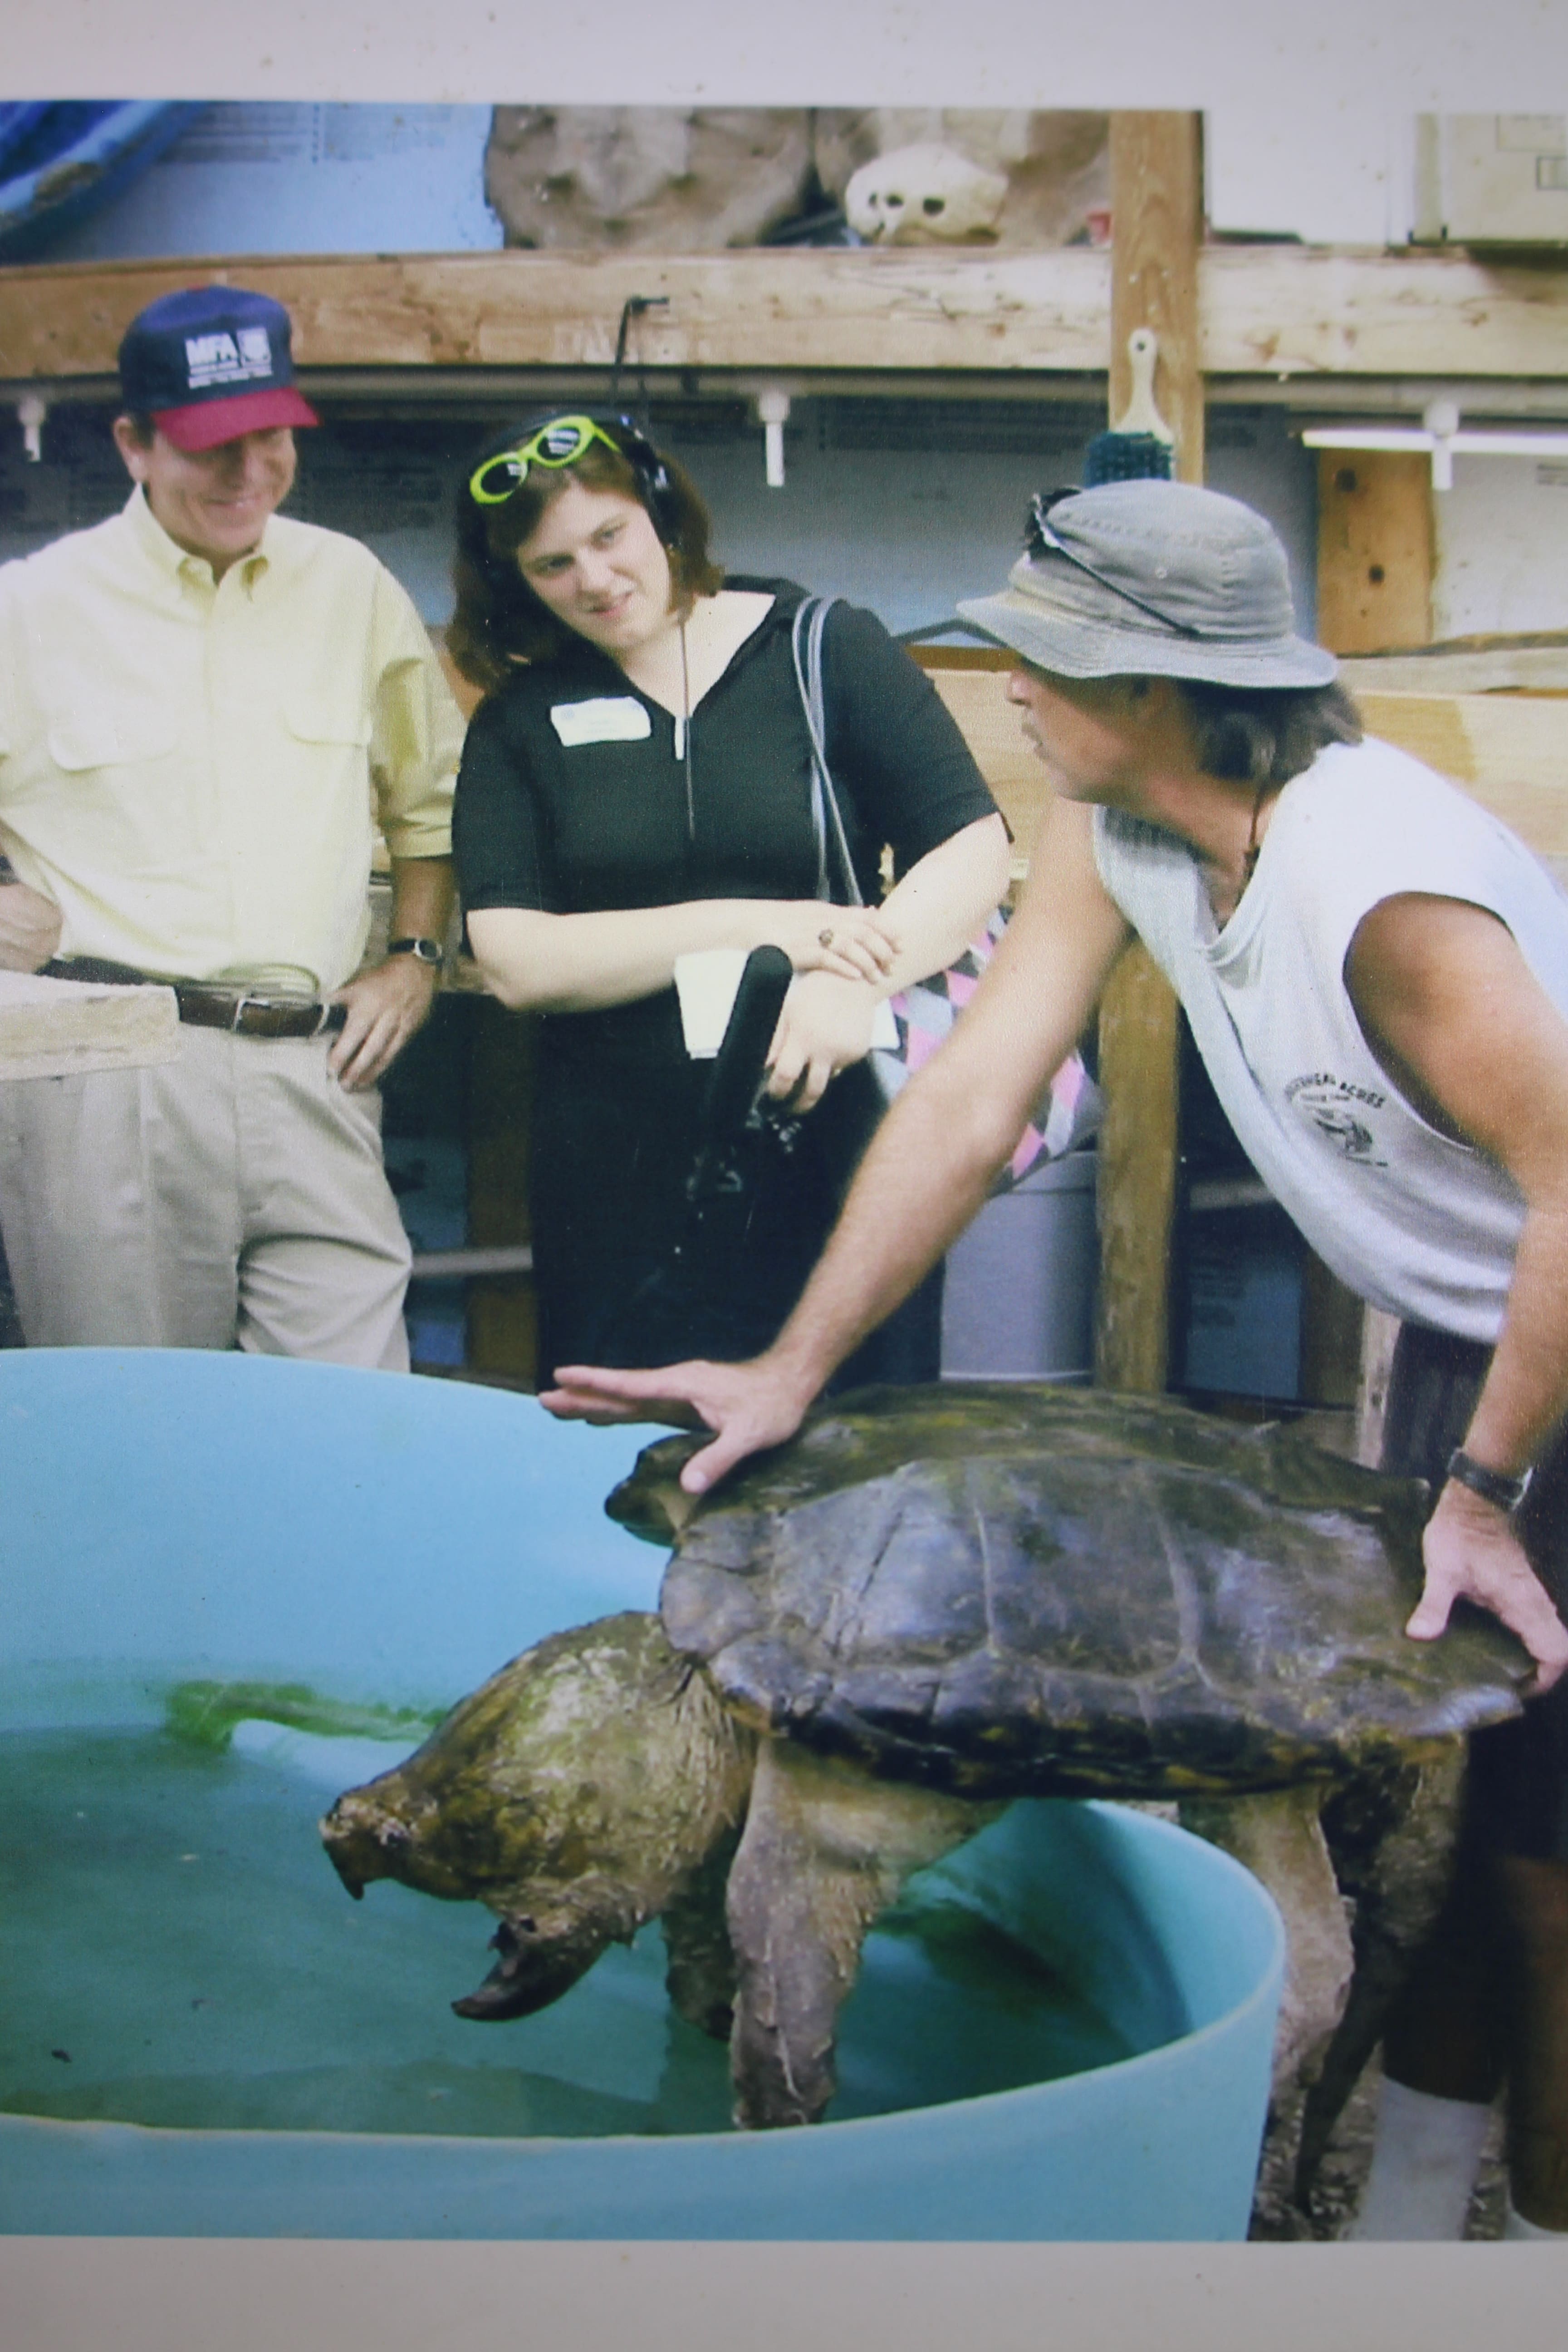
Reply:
x=169, y=1516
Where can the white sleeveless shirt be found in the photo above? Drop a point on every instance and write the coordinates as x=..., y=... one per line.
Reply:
x=1418, y=1224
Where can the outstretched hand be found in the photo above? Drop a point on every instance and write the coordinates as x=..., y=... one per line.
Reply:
x=1472, y=1553
x=747, y=1407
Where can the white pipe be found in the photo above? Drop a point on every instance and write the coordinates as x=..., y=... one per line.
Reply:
x=447, y=1266
x=30, y=413
x=1472, y=441
x=1441, y=418
x=1441, y=436
x=773, y=409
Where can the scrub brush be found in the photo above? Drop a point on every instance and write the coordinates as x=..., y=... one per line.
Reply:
x=1140, y=447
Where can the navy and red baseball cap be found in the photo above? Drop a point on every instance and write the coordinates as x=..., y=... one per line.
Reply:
x=210, y=363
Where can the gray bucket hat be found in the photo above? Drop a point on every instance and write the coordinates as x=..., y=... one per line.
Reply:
x=1154, y=579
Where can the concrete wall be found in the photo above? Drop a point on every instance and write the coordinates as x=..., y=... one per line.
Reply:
x=1502, y=546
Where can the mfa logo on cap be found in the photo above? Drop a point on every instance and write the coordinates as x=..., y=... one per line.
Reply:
x=227, y=358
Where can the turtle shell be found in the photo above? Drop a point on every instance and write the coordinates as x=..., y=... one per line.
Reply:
x=1014, y=1590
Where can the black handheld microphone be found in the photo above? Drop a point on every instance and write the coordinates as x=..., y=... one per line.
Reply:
x=741, y=1066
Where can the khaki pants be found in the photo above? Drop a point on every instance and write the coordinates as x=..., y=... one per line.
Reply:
x=233, y=1198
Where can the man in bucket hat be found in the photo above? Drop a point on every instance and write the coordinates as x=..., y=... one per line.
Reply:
x=1375, y=972
x=201, y=705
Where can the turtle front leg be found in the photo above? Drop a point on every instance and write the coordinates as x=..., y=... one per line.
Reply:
x=1278, y=1836
x=825, y=1851
x=700, y=1977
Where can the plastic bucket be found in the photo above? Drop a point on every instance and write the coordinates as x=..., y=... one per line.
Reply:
x=170, y=1515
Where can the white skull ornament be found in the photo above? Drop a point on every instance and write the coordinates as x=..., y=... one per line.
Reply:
x=915, y=196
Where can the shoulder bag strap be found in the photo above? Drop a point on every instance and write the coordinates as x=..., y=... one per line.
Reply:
x=805, y=645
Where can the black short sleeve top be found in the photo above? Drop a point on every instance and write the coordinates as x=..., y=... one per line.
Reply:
x=543, y=820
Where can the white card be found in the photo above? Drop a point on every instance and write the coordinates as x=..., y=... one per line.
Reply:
x=707, y=980
x=608, y=719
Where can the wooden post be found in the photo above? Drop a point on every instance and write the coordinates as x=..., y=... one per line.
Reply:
x=1156, y=195
x=1375, y=542
x=1156, y=227
x=1374, y=550
x=502, y=1327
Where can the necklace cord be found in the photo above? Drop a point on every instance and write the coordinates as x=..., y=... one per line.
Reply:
x=686, y=737
x=1253, y=846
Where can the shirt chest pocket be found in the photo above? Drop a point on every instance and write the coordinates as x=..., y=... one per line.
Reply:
x=331, y=719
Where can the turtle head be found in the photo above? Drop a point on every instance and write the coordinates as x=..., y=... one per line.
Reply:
x=384, y=1830
x=573, y=1794
x=651, y=1502
x=495, y=1796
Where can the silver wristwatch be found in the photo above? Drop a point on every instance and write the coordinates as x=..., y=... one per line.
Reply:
x=422, y=951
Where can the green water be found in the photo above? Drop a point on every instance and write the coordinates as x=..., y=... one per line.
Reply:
x=177, y=1949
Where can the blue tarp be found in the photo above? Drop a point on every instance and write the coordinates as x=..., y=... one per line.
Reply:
x=60, y=160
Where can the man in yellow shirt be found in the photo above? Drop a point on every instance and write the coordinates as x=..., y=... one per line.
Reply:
x=205, y=709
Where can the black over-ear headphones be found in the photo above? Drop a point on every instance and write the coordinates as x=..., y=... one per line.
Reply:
x=655, y=488
x=563, y=434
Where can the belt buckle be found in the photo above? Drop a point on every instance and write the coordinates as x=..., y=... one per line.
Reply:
x=245, y=997
x=328, y=1008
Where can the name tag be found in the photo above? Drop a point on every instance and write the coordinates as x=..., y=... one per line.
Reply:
x=609, y=718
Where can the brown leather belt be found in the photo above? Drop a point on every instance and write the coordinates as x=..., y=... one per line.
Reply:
x=207, y=1005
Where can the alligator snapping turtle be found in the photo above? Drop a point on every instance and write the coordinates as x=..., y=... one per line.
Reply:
x=929, y=1603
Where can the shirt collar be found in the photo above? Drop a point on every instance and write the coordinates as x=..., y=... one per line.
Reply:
x=171, y=560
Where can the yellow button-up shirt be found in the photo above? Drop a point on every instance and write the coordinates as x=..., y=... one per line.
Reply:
x=192, y=769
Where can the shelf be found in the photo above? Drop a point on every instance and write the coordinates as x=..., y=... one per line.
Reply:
x=1265, y=311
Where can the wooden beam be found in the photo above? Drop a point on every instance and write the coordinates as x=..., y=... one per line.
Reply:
x=1534, y=661
x=1136, y=1176
x=502, y=1323
x=1375, y=593
x=1156, y=201
x=1333, y=1323
x=843, y=309
x=1157, y=198
x=1510, y=751
x=1380, y=1333
x=973, y=681
x=61, y=1028
x=1276, y=310
x=1374, y=550
x=1328, y=311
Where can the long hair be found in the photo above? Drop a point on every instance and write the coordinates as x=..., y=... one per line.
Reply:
x=1266, y=735
x=498, y=620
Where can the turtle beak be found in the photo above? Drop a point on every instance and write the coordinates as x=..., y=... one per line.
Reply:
x=362, y=1842
x=533, y=1969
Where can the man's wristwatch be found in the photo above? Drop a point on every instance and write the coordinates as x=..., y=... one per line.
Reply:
x=423, y=950
x=1492, y=1485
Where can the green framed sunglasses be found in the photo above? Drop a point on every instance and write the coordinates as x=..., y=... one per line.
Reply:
x=561, y=442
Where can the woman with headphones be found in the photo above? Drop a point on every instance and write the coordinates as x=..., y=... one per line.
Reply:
x=635, y=786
